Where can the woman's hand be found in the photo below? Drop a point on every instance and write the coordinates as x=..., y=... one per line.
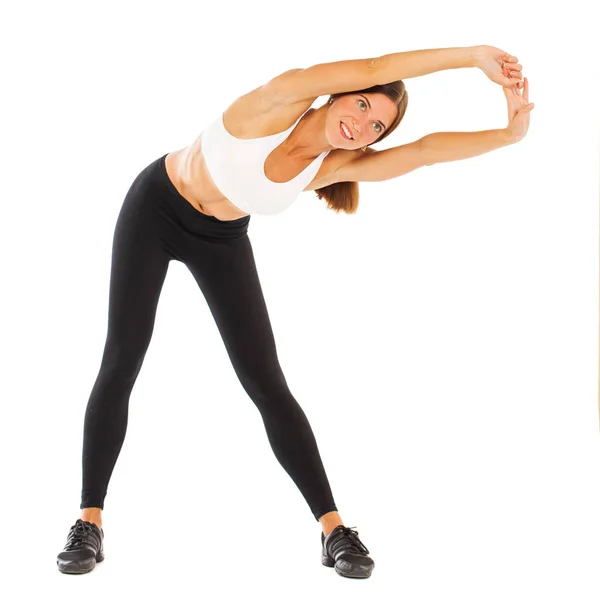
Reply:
x=519, y=109
x=499, y=66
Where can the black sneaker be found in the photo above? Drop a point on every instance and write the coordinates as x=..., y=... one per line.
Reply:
x=84, y=548
x=343, y=550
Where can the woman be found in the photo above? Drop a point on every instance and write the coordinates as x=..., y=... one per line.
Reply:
x=194, y=205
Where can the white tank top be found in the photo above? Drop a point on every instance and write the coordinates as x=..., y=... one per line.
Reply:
x=237, y=169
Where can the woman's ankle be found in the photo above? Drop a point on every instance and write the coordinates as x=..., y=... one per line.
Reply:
x=330, y=521
x=92, y=515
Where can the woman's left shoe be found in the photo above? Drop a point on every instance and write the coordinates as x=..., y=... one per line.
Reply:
x=342, y=549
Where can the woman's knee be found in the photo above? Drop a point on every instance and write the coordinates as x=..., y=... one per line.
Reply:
x=122, y=363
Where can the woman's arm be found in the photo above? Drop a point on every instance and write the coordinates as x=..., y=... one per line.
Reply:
x=381, y=165
x=499, y=66
x=447, y=146
x=349, y=75
x=414, y=63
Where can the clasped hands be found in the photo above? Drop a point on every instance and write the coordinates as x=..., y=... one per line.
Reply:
x=504, y=69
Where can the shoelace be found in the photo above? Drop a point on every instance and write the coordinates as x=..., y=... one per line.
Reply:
x=350, y=540
x=77, y=534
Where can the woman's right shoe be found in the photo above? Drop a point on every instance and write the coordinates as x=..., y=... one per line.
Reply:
x=84, y=548
x=343, y=550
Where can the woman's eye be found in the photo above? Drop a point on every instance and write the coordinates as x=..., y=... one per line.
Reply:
x=379, y=129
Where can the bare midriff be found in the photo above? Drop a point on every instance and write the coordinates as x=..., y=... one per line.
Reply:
x=188, y=172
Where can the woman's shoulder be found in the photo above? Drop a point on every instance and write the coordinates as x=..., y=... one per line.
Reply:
x=255, y=115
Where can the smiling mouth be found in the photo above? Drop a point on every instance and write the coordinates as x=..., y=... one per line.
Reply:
x=343, y=132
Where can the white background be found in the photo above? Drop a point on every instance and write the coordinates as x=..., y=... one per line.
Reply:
x=443, y=341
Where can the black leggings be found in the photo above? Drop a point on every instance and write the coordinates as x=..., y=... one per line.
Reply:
x=156, y=225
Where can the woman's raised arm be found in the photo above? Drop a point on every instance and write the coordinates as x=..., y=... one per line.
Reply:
x=491, y=60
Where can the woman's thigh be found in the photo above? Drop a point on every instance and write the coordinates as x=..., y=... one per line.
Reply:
x=228, y=278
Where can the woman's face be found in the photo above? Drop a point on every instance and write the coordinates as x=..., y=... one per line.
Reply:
x=366, y=115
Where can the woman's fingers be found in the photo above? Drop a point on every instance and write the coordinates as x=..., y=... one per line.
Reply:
x=513, y=97
x=508, y=72
x=512, y=70
x=516, y=86
x=513, y=93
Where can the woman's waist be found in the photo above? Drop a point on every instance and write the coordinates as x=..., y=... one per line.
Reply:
x=189, y=175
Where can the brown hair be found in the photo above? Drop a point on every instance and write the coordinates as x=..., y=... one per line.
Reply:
x=343, y=196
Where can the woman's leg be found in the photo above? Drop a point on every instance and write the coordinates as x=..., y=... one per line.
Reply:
x=138, y=270
x=227, y=275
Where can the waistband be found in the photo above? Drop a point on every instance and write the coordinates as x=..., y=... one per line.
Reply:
x=234, y=226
